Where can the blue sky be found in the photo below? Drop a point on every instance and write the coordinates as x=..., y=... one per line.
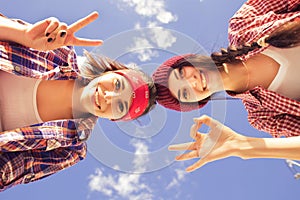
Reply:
x=115, y=149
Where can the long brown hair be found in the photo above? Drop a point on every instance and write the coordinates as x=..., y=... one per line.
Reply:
x=286, y=36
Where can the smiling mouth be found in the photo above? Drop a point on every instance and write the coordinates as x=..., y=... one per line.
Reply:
x=203, y=80
x=97, y=98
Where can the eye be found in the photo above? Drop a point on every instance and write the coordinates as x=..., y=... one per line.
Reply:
x=181, y=72
x=117, y=84
x=120, y=106
x=185, y=93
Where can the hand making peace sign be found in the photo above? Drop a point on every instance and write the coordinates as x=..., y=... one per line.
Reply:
x=50, y=33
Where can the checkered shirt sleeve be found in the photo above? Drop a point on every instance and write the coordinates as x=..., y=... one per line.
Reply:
x=257, y=18
x=271, y=112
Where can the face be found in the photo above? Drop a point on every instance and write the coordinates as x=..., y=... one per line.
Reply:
x=189, y=84
x=108, y=96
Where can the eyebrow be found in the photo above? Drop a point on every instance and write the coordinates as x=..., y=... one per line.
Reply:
x=126, y=105
x=123, y=84
x=179, y=95
x=175, y=74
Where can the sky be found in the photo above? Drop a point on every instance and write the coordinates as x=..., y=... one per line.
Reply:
x=130, y=160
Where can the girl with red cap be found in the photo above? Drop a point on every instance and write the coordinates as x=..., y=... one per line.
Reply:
x=260, y=67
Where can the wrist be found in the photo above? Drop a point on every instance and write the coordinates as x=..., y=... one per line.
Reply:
x=12, y=31
x=242, y=147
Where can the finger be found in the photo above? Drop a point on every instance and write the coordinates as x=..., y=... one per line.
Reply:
x=86, y=42
x=38, y=28
x=187, y=156
x=196, y=165
x=59, y=38
x=59, y=34
x=193, y=131
x=182, y=146
x=83, y=22
x=53, y=23
x=207, y=120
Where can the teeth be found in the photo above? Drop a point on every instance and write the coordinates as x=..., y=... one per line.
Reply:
x=97, y=98
x=203, y=80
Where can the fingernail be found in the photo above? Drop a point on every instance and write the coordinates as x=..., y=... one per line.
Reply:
x=49, y=39
x=47, y=34
x=63, y=34
x=177, y=157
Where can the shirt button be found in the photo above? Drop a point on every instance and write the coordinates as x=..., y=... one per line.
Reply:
x=29, y=177
x=82, y=135
x=17, y=68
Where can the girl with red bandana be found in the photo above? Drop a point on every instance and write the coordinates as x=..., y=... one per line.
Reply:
x=50, y=103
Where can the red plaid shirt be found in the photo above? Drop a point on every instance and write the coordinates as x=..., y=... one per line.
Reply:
x=267, y=110
x=31, y=153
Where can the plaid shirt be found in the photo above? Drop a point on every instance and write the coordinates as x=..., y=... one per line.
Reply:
x=31, y=153
x=267, y=110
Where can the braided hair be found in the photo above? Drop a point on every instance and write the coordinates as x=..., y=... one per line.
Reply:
x=286, y=36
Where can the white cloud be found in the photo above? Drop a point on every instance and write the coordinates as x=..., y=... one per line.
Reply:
x=180, y=174
x=154, y=14
x=101, y=183
x=128, y=186
x=172, y=184
x=166, y=17
x=142, y=48
x=162, y=37
x=154, y=38
x=141, y=159
x=135, y=186
x=151, y=9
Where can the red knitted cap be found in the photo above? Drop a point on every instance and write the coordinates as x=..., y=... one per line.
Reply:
x=164, y=96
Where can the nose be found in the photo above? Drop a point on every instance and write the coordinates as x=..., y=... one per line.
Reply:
x=109, y=95
x=194, y=82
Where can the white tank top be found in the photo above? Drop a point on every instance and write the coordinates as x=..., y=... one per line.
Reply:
x=18, y=105
x=287, y=80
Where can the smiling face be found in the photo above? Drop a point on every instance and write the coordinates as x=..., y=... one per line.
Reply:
x=108, y=96
x=189, y=84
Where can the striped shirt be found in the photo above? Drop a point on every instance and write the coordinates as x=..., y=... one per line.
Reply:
x=267, y=110
x=30, y=153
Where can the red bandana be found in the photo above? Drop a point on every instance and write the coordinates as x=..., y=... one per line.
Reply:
x=140, y=96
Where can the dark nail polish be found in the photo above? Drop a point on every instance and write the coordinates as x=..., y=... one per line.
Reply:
x=49, y=39
x=63, y=34
x=47, y=34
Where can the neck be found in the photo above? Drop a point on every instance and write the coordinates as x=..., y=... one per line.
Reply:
x=258, y=70
x=79, y=101
x=236, y=77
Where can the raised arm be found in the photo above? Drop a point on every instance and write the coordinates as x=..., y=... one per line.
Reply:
x=222, y=142
x=47, y=34
x=11, y=30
